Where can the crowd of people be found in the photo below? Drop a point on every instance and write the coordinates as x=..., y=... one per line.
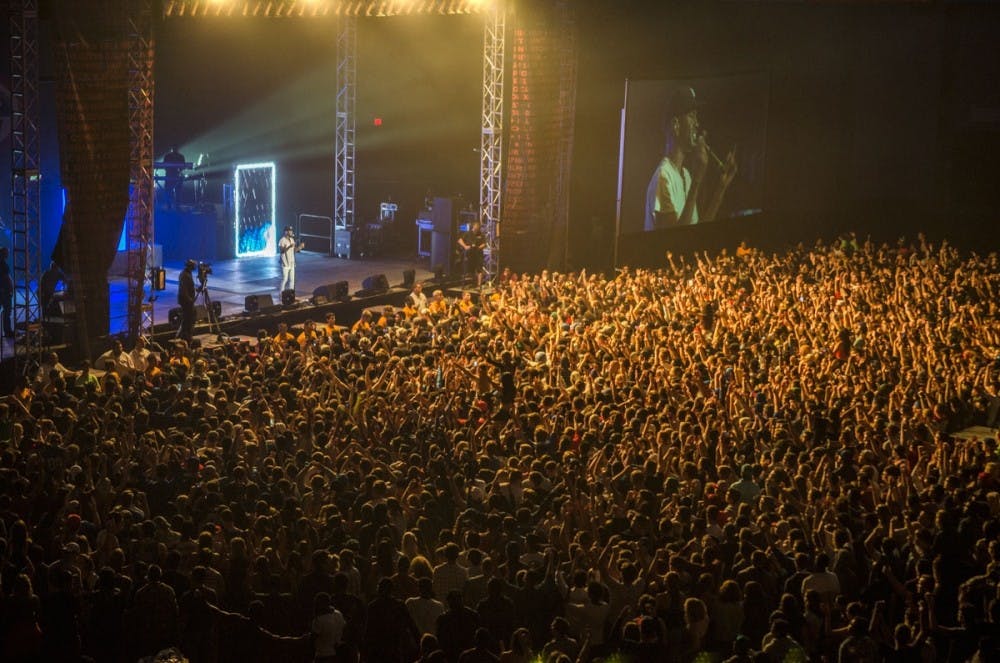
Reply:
x=744, y=457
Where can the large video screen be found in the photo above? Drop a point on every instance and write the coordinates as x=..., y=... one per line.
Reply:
x=692, y=151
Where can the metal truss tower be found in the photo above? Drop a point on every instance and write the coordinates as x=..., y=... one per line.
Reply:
x=26, y=224
x=139, y=219
x=491, y=145
x=343, y=166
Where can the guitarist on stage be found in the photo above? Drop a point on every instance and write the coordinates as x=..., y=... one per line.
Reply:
x=472, y=242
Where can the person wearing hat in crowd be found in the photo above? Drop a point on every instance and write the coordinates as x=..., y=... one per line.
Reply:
x=287, y=248
x=673, y=191
x=186, y=296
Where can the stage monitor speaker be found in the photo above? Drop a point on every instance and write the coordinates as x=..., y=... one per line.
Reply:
x=442, y=250
x=344, y=245
x=287, y=297
x=200, y=313
x=331, y=292
x=409, y=277
x=258, y=303
x=375, y=283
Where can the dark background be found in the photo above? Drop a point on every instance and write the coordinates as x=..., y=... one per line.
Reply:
x=265, y=90
x=883, y=117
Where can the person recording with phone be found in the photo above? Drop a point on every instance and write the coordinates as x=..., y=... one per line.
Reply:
x=674, y=189
x=287, y=248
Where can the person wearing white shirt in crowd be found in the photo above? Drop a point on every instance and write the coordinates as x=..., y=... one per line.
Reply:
x=591, y=616
x=417, y=298
x=449, y=575
x=49, y=366
x=139, y=354
x=822, y=580
x=116, y=359
x=327, y=628
x=425, y=609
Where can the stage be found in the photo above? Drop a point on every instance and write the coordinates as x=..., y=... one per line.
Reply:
x=232, y=281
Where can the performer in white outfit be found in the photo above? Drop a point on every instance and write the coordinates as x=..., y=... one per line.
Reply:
x=287, y=248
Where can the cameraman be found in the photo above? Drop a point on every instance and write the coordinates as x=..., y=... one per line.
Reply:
x=186, y=295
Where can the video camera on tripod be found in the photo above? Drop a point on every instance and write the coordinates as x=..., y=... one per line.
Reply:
x=204, y=270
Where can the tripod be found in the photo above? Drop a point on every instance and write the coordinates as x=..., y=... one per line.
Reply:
x=213, y=322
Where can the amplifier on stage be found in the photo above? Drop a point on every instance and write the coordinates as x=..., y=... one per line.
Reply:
x=343, y=243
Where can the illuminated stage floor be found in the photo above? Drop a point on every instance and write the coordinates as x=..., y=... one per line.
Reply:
x=232, y=280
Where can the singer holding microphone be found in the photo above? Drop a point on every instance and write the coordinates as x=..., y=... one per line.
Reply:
x=287, y=248
x=674, y=189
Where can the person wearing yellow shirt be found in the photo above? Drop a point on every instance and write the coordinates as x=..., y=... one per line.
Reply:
x=178, y=356
x=152, y=368
x=283, y=337
x=465, y=304
x=309, y=335
x=331, y=328
x=387, y=318
x=364, y=323
x=438, y=306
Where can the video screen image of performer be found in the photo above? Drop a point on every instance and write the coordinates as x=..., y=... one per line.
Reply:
x=676, y=185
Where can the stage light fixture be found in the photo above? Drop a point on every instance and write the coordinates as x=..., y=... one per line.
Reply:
x=255, y=191
x=283, y=8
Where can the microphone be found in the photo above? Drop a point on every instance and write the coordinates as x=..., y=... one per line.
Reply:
x=711, y=153
x=715, y=157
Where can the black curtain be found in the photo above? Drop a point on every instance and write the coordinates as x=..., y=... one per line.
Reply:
x=91, y=51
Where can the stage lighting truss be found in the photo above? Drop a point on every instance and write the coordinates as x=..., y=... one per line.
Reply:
x=254, y=220
x=139, y=218
x=345, y=130
x=491, y=143
x=315, y=8
x=25, y=155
